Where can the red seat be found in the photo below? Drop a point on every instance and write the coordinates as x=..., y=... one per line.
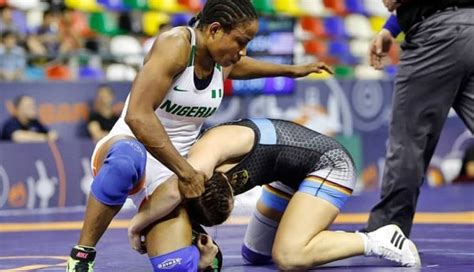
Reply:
x=58, y=72
x=337, y=6
x=194, y=5
x=313, y=25
x=315, y=47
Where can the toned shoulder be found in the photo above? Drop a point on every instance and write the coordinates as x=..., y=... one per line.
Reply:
x=173, y=44
x=178, y=38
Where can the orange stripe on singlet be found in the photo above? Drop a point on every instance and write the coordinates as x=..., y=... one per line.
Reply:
x=95, y=169
x=330, y=184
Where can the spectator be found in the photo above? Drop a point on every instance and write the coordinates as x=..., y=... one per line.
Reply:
x=102, y=117
x=7, y=23
x=12, y=58
x=69, y=33
x=467, y=169
x=24, y=126
x=48, y=33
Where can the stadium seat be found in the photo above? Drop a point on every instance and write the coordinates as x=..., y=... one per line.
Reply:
x=192, y=5
x=24, y=4
x=34, y=73
x=90, y=73
x=357, y=26
x=315, y=47
x=343, y=72
x=367, y=72
x=313, y=25
x=359, y=48
x=113, y=5
x=355, y=6
x=264, y=6
x=376, y=8
x=84, y=5
x=287, y=7
x=58, y=72
x=377, y=22
x=136, y=4
x=313, y=7
x=120, y=72
x=127, y=48
x=152, y=20
x=104, y=23
x=340, y=50
x=337, y=6
x=169, y=6
x=180, y=19
x=334, y=27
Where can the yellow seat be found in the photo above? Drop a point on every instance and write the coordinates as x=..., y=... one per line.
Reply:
x=169, y=6
x=152, y=21
x=288, y=7
x=84, y=5
x=377, y=22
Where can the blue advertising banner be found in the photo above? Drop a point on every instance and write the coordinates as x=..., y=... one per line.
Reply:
x=44, y=175
x=355, y=112
x=62, y=106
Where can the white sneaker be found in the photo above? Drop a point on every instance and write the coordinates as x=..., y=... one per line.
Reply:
x=390, y=243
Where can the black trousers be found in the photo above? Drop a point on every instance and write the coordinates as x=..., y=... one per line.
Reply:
x=436, y=73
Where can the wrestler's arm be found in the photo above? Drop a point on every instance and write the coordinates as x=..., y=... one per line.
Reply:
x=248, y=68
x=216, y=147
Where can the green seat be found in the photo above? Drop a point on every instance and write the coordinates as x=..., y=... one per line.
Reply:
x=137, y=4
x=343, y=72
x=264, y=6
x=104, y=23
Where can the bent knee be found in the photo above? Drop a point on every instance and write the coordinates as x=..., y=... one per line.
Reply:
x=288, y=259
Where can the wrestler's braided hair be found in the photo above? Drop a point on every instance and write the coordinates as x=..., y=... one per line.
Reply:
x=214, y=206
x=229, y=13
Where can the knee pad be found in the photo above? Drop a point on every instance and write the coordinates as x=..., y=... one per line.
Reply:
x=123, y=167
x=184, y=259
x=258, y=241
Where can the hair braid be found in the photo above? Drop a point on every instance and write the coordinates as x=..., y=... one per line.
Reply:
x=229, y=13
x=214, y=206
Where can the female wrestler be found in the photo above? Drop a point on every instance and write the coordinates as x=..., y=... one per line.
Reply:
x=310, y=175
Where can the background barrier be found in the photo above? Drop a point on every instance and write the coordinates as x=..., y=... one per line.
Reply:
x=58, y=174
